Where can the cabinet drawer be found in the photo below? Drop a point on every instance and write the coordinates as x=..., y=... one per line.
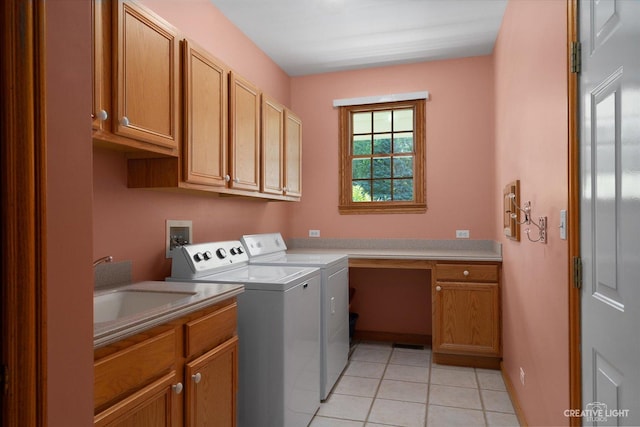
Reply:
x=211, y=330
x=467, y=272
x=122, y=373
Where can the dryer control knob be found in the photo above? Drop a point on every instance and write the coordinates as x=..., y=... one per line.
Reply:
x=208, y=255
x=221, y=253
x=233, y=251
x=240, y=250
x=198, y=257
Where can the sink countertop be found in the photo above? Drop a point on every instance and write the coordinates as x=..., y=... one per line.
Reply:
x=410, y=249
x=206, y=294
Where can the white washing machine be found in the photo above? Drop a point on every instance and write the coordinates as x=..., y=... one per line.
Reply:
x=278, y=331
x=270, y=249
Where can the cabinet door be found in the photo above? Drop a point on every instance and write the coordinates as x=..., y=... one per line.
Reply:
x=272, y=146
x=244, y=129
x=211, y=387
x=466, y=318
x=146, y=76
x=101, y=61
x=205, y=117
x=293, y=155
x=157, y=405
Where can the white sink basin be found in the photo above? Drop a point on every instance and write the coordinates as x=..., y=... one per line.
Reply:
x=119, y=304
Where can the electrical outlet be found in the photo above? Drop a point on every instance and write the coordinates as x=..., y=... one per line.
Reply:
x=314, y=233
x=462, y=234
x=178, y=233
x=522, y=375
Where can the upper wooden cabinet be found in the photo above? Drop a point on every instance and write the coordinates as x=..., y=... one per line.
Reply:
x=292, y=155
x=244, y=134
x=136, y=79
x=272, y=158
x=204, y=152
x=203, y=127
x=281, y=158
x=146, y=79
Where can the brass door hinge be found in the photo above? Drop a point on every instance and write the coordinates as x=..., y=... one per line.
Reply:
x=577, y=272
x=575, y=57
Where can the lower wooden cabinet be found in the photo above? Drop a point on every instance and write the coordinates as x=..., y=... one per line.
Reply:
x=466, y=315
x=175, y=374
x=155, y=405
x=211, y=387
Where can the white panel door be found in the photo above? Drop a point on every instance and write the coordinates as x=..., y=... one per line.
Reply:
x=610, y=210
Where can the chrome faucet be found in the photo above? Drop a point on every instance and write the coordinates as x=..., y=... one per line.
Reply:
x=104, y=259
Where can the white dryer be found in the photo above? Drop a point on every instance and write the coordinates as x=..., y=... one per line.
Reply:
x=270, y=249
x=278, y=331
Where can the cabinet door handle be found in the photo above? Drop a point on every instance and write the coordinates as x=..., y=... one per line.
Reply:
x=124, y=121
x=227, y=178
x=438, y=288
x=236, y=180
x=177, y=388
x=466, y=273
x=197, y=377
x=100, y=115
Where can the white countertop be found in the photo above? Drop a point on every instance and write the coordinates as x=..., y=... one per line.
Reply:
x=409, y=249
x=205, y=294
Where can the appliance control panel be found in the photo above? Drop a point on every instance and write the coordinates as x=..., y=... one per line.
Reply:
x=263, y=244
x=197, y=260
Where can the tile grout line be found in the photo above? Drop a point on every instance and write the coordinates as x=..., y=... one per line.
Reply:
x=426, y=408
x=484, y=411
x=375, y=395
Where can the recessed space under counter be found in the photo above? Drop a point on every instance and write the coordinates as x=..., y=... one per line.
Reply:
x=189, y=297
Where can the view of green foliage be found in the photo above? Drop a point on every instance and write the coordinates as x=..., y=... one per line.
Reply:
x=382, y=169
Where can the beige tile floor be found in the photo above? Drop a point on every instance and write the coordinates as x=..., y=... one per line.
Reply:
x=387, y=386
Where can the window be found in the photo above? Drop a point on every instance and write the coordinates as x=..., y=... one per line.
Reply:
x=382, y=158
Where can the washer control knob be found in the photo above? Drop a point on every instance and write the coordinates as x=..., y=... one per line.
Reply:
x=221, y=253
x=233, y=251
x=240, y=250
x=198, y=257
x=208, y=255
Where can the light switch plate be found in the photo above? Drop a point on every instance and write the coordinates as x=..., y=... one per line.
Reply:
x=314, y=233
x=563, y=224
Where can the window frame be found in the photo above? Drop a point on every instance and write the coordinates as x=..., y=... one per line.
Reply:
x=346, y=204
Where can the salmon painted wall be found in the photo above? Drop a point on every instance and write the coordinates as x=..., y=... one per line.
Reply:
x=69, y=275
x=202, y=22
x=460, y=161
x=531, y=145
x=130, y=223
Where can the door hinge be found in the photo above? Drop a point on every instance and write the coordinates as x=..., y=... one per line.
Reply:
x=577, y=272
x=575, y=57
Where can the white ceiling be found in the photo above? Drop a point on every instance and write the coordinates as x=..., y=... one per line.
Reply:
x=318, y=36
